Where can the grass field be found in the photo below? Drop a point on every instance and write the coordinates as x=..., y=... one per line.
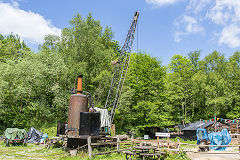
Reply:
x=32, y=151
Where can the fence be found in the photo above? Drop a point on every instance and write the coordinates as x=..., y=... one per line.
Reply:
x=118, y=150
x=90, y=146
x=179, y=146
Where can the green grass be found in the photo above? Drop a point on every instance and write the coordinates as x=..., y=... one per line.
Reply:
x=179, y=156
x=32, y=151
x=83, y=156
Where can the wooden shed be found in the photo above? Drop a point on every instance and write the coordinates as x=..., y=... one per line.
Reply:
x=189, y=132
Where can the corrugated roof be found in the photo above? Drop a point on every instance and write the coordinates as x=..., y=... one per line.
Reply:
x=196, y=125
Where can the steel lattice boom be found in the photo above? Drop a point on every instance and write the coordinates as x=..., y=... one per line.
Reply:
x=120, y=69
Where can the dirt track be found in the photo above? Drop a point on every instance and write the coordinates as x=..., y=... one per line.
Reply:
x=213, y=156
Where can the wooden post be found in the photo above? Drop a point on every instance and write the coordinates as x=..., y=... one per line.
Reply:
x=200, y=123
x=157, y=141
x=178, y=148
x=238, y=137
x=215, y=121
x=132, y=139
x=89, y=147
x=168, y=142
x=113, y=130
x=118, y=143
x=183, y=123
x=237, y=129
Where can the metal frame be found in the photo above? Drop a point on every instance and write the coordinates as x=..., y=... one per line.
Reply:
x=120, y=70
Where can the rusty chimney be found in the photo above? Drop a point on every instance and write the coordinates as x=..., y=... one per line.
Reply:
x=79, y=84
x=78, y=103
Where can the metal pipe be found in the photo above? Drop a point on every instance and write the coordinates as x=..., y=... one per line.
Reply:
x=91, y=104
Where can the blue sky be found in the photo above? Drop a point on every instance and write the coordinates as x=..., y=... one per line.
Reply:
x=165, y=28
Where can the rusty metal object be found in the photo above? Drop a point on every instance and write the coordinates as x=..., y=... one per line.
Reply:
x=89, y=123
x=61, y=128
x=78, y=103
x=79, y=84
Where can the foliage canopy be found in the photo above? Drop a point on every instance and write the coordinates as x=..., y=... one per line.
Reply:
x=35, y=87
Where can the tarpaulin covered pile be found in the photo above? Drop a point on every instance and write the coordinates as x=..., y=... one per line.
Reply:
x=14, y=133
x=219, y=138
x=34, y=135
x=201, y=135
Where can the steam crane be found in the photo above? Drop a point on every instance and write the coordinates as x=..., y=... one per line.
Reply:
x=82, y=123
x=120, y=70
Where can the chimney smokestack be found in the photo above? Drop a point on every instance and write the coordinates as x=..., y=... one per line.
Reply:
x=79, y=84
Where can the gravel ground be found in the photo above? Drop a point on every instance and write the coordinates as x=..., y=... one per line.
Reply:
x=213, y=156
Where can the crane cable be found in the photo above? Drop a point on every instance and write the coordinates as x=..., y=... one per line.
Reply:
x=137, y=52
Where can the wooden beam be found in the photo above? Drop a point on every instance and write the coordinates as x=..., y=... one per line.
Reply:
x=89, y=147
x=118, y=143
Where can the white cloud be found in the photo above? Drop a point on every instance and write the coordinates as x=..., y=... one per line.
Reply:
x=197, y=6
x=224, y=18
x=28, y=25
x=158, y=3
x=224, y=12
x=186, y=25
x=230, y=36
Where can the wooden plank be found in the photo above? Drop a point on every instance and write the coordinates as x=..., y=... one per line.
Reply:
x=89, y=147
x=220, y=145
x=234, y=134
x=152, y=154
x=103, y=143
x=106, y=143
x=109, y=152
x=210, y=145
x=118, y=144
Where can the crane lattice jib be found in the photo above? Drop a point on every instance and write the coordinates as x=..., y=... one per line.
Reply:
x=120, y=69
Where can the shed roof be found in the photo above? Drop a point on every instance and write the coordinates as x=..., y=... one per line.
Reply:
x=181, y=126
x=196, y=125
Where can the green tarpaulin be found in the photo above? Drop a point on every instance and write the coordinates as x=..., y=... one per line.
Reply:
x=14, y=133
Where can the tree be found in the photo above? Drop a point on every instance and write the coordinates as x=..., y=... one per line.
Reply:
x=179, y=85
x=233, y=85
x=143, y=96
x=214, y=66
x=11, y=47
x=32, y=92
x=87, y=49
x=36, y=89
